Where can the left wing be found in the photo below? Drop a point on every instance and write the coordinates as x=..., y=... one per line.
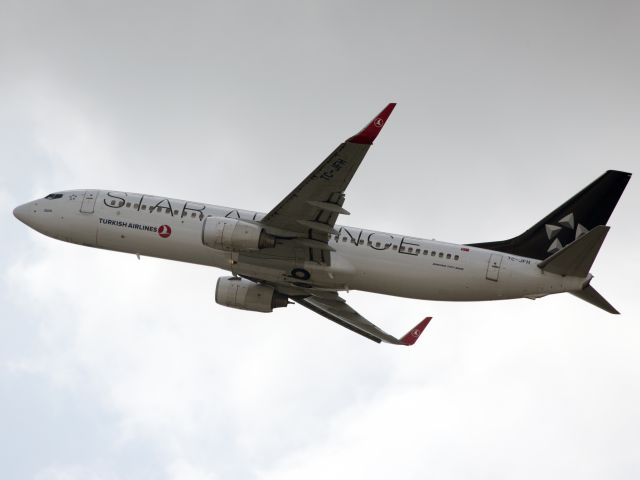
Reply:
x=335, y=308
x=311, y=209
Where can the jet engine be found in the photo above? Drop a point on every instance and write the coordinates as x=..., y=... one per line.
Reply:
x=231, y=234
x=243, y=294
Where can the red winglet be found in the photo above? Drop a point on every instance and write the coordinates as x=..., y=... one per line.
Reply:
x=368, y=134
x=411, y=337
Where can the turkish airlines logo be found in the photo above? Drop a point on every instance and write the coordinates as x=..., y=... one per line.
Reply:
x=164, y=231
x=416, y=332
x=378, y=122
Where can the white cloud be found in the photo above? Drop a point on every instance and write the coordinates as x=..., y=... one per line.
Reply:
x=72, y=472
x=181, y=470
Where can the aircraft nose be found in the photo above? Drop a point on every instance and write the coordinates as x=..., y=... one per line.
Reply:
x=21, y=212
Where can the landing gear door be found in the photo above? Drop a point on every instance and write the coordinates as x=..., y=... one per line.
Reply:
x=89, y=201
x=301, y=257
x=493, y=269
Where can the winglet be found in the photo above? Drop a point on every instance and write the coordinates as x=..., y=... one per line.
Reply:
x=413, y=334
x=368, y=134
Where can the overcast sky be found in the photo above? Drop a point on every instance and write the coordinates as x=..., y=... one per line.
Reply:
x=114, y=368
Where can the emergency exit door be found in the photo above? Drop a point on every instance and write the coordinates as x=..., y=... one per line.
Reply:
x=493, y=269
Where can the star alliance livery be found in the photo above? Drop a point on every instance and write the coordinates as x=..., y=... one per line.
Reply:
x=296, y=252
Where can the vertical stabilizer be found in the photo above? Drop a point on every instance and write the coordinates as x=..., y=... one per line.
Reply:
x=590, y=207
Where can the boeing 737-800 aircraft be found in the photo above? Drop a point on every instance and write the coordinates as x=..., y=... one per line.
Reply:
x=297, y=252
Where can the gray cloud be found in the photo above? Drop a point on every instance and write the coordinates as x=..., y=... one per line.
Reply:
x=114, y=368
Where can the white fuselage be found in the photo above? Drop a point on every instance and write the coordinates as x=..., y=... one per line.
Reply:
x=366, y=260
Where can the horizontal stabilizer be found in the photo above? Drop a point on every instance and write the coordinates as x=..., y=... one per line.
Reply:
x=590, y=295
x=576, y=258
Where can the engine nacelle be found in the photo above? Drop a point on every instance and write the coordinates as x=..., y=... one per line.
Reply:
x=232, y=234
x=243, y=294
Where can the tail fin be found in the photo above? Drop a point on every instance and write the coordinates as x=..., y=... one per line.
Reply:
x=589, y=294
x=583, y=212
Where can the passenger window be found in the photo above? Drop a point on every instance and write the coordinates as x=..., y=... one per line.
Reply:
x=410, y=249
x=425, y=252
x=136, y=205
x=175, y=212
x=361, y=242
x=193, y=214
x=128, y=204
x=417, y=251
x=167, y=210
x=402, y=249
x=395, y=247
x=377, y=244
x=144, y=207
x=457, y=257
x=440, y=255
x=113, y=202
x=433, y=253
x=448, y=256
x=344, y=239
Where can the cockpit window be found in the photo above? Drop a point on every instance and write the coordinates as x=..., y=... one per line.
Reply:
x=53, y=196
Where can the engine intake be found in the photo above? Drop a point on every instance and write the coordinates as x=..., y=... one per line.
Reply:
x=243, y=294
x=232, y=234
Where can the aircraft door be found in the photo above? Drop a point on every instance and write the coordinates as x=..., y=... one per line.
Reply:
x=89, y=201
x=493, y=269
x=301, y=256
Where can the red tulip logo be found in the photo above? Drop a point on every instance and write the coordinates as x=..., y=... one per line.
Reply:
x=164, y=231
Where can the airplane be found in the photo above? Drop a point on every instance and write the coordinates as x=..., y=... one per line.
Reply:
x=297, y=253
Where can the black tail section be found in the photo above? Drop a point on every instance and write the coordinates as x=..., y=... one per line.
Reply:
x=584, y=211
